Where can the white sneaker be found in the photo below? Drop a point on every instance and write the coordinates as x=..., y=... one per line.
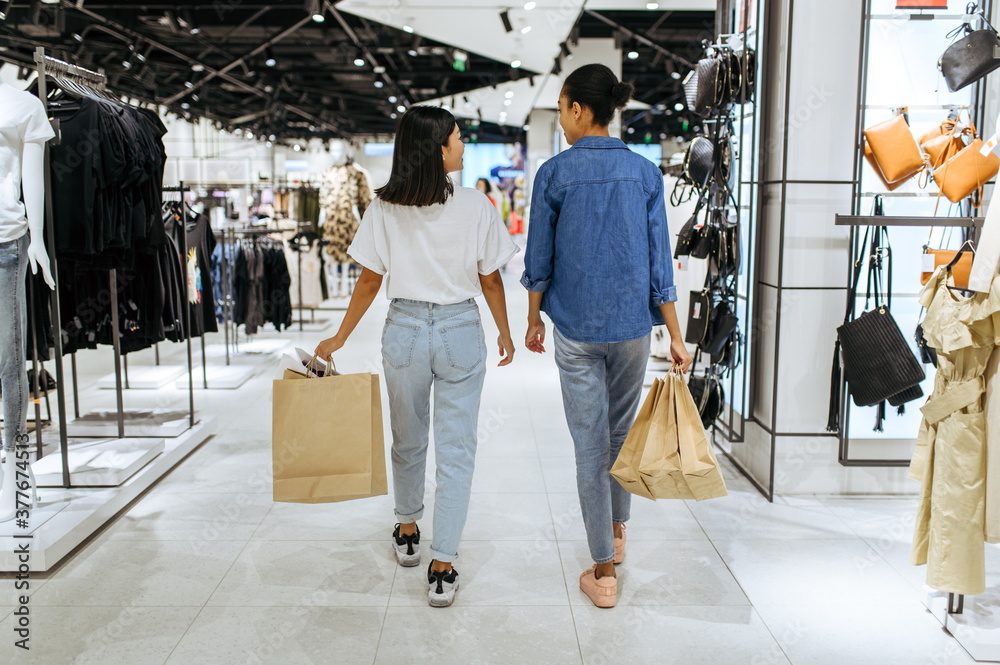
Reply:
x=441, y=587
x=407, y=548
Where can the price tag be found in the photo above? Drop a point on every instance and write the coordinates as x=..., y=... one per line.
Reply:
x=989, y=146
x=697, y=310
x=682, y=263
x=927, y=264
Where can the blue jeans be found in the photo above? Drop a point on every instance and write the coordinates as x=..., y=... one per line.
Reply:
x=443, y=346
x=13, y=305
x=601, y=386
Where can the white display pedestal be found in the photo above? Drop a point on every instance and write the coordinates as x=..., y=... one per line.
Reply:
x=103, y=424
x=318, y=325
x=219, y=378
x=98, y=463
x=65, y=518
x=145, y=378
x=977, y=628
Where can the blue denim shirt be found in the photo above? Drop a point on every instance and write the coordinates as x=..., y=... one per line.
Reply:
x=598, y=244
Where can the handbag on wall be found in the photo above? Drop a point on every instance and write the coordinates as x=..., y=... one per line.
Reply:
x=895, y=152
x=973, y=56
x=871, y=353
x=944, y=142
x=960, y=271
x=699, y=317
x=967, y=171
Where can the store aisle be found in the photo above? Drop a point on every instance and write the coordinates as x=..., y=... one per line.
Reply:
x=207, y=569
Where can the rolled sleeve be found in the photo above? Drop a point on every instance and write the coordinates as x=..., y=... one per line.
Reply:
x=661, y=267
x=539, y=253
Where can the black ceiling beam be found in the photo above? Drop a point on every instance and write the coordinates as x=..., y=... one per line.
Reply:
x=642, y=39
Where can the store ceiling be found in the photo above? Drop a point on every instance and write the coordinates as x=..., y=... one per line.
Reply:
x=268, y=66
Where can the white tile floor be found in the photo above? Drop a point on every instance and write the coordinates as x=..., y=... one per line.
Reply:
x=206, y=569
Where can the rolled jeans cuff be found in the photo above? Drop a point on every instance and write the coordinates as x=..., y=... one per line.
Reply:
x=411, y=517
x=442, y=557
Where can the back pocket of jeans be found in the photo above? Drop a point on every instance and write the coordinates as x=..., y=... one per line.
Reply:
x=398, y=341
x=464, y=345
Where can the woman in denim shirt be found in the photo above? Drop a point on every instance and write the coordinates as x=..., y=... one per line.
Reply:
x=598, y=262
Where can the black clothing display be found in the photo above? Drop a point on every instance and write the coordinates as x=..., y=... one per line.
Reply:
x=261, y=287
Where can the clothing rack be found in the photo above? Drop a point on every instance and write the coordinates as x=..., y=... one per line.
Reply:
x=181, y=189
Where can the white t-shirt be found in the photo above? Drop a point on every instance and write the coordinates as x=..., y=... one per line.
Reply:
x=434, y=253
x=22, y=120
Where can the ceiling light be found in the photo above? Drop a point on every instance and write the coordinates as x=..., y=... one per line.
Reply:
x=508, y=94
x=238, y=131
x=663, y=136
x=195, y=98
x=185, y=106
x=515, y=64
x=297, y=148
x=359, y=62
x=268, y=89
x=401, y=108
x=412, y=52
x=313, y=7
x=678, y=106
x=506, y=102
x=675, y=76
x=631, y=130
x=528, y=6
x=268, y=144
x=633, y=55
x=392, y=99
x=188, y=84
x=526, y=29
x=379, y=69
x=505, y=19
x=197, y=67
x=379, y=84
x=408, y=29
x=76, y=35
x=526, y=127
x=652, y=5
x=393, y=116
x=271, y=137
x=270, y=60
x=127, y=64
x=249, y=135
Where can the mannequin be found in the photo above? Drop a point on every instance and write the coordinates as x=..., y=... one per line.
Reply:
x=344, y=196
x=24, y=130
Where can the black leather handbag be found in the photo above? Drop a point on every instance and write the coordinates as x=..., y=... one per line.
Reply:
x=720, y=329
x=699, y=162
x=748, y=68
x=875, y=358
x=973, y=56
x=706, y=241
x=928, y=354
x=708, y=395
x=699, y=317
x=711, y=83
x=688, y=232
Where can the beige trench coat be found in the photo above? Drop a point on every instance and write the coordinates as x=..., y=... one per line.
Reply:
x=950, y=458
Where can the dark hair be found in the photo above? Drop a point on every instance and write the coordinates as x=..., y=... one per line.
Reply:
x=418, y=177
x=597, y=88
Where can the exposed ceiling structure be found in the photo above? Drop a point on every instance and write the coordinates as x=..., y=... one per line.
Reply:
x=297, y=68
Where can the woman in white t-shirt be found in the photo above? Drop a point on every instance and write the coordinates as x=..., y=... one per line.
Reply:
x=439, y=247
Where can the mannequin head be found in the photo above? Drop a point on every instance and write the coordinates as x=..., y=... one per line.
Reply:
x=588, y=101
x=428, y=146
x=337, y=151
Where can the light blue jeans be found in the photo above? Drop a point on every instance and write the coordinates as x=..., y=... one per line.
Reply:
x=443, y=346
x=601, y=386
x=13, y=324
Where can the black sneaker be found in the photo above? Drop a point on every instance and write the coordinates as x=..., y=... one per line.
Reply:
x=407, y=547
x=441, y=587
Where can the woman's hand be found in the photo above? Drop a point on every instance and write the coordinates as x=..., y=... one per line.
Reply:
x=679, y=352
x=506, y=350
x=535, y=339
x=328, y=346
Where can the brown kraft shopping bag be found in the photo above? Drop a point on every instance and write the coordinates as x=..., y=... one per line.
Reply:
x=660, y=466
x=698, y=461
x=327, y=440
x=626, y=468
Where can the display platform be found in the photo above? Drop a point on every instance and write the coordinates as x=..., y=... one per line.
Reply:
x=219, y=377
x=98, y=463
x=977, y=628
x=103, y=424
x=264, y=346
x=78, y=513
x=310, y=325
x=144, y=377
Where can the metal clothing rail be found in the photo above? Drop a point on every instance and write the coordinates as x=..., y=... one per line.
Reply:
x=181, y=189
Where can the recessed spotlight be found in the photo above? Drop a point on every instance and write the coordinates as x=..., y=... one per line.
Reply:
x=268, y=144
x=185, y=106
x=526, y=127
x=408, y=29
x=297, y=148
x=249, y=135
x=359, y=62
x=271, y=137
x=652, y=5
x=528, y=6
x=631, y=130
x=392, y=99
x=675, y=76
x=238, y=131
x=197, y=67
x=270, y=60
x=401, y=108
x=379, y=84
x=526, y=29
x=195, y=98
x=127, y=64
x=633, y=55
x=188, y=84
x=678, y=106
x=663, y=136
x=506, y=102
x=78, y=37
x=515, y=64
x=412, y=53
x=393, y=116
x=508, y=94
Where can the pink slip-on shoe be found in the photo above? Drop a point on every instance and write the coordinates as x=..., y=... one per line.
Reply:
x=619, y=548
x=602, y=592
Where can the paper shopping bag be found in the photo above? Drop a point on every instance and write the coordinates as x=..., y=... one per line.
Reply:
x=698, y=462
x=326, y=438
x=626, y=468
x=660, y=466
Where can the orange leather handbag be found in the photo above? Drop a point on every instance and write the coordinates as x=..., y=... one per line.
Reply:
x=894, y=149
x=870, y=156
x=942, y=143
x=967, y=171
x=960, y=271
